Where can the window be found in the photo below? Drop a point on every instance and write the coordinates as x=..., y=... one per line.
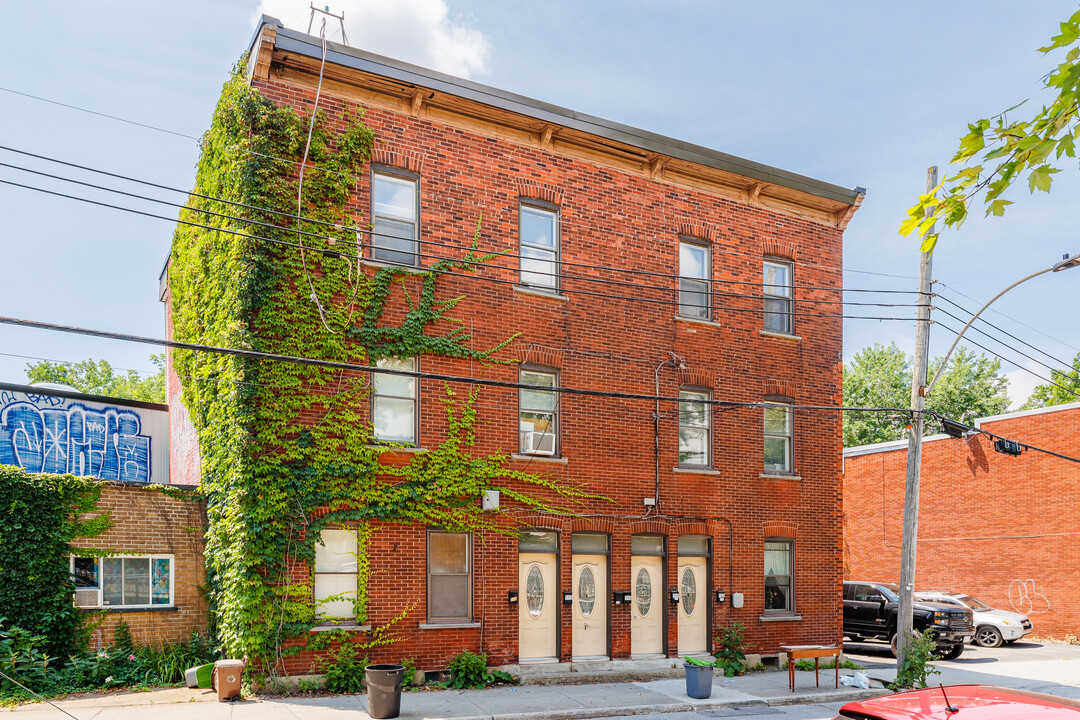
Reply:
x=539, y=246
x=335, y=575
x=777, y=291
x=694, y=430
x=695, y=287
x=778, y=438
x=778, y=554
x=449, y=574
x=538, y=413
x=393, y=402
x=394, y=215
x=123, y=582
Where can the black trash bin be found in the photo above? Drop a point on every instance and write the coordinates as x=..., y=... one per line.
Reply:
x=384, y=690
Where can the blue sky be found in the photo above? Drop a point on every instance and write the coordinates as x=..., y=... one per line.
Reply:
x=865, y=94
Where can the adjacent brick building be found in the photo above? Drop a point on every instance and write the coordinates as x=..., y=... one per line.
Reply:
x=998, y=527
x=639, y=264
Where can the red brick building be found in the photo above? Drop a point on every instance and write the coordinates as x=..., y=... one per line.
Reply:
x=638, y=264
x=998, y=527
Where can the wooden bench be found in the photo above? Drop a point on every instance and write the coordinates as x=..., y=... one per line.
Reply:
x=798, y=652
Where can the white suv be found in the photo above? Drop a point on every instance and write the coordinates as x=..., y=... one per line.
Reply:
x=992, y=627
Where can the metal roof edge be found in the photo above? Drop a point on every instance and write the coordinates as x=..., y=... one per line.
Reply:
x=888, y=446
x=105, y=399
x=1026, y=413
x=310, y=46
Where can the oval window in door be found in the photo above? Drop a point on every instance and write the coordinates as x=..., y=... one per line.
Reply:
x=534, y=591
x=586, y=592
x=688, y=591
x=643, y=592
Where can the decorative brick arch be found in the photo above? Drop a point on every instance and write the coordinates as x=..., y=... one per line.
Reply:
x=542, y=521
x=778, y=249
x=696, y=229
x=534, y=354
x=597, y=525
x=778, y=388
x=404, y=159
x=539, y=191
x=692, y=527
x=652, y=526
x=780, y=529
x=698, y=378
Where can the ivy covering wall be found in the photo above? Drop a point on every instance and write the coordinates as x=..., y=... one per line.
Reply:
x=40, y=514
x=286, y=448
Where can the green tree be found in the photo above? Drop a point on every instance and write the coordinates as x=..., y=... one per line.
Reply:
x=880, y=377
x=97, y=377
x=1063, y=388
x=1000, y=150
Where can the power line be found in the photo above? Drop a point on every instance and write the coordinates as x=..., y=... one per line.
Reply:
x=99, y=114
x=369, y=369
x=74, y=362
x=1022, y=444
x=464, y=261
x=1007, y=317
x=997, y=340
x=360, y=230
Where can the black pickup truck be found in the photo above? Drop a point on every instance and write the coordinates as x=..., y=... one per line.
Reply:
x=870, y=612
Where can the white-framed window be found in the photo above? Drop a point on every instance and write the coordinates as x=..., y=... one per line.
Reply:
x=778, y=588
x=538, y=225
x=449, y=576
x=144, y=581
x=335, y=575
x=695, y=446
x=538, y=413
x=777, y=292
x=395, y=217
x=778, y=437
x=393, y=402
x=695, y=279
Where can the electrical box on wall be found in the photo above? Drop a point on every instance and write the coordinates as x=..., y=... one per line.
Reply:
x=736, y=600
x=490, y=501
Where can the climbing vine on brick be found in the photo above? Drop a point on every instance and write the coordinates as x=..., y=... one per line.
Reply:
x=40, y=514
x=285, y=448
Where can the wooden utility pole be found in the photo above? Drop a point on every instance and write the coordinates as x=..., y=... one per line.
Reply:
x=914, y=454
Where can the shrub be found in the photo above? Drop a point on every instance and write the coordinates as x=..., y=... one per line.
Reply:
x=469, y=670
x=829, y=665
x=345, y=670
x=22, y=657
x=408, y=677
x=729, y=653
x=916, y=666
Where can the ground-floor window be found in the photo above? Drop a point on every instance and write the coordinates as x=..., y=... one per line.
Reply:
x=778, y=556
x=449, y=577
x=335, y=575
x=123, y=582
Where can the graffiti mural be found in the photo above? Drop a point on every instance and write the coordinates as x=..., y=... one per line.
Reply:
x=46, y=433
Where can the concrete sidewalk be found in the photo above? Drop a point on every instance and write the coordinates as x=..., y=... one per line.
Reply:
x=533, y=702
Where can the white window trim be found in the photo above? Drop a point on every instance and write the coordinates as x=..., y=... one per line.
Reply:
x=457, y=621
x=707, y=465
x=790, y=435
x=101, y=582
x=789, y=298
x=396, y=174
x=416, y=407
x=707, y=280
x=556, y=228
x=328, y=620
x=555, y=414
x=790, y=610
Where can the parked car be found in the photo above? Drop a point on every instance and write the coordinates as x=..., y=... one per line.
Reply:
x=971, y=702
x=870, y=612
x=992, y=627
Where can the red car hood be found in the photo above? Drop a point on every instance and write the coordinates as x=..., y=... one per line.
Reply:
x=973, y=702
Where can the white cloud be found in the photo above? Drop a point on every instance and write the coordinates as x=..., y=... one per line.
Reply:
x=1022, y=382
x=416, y=31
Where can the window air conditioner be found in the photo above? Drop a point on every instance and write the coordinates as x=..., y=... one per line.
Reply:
x=539, y=443
x=87, y=598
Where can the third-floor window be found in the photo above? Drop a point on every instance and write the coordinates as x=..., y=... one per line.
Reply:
x=539, y=246
x=395, y=218
x=695, y=286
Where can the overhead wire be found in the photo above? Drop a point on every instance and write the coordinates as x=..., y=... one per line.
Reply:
x=999, y=341
x=1008, y=317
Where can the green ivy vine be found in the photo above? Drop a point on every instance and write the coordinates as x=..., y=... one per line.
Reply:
x=286, y=449
x=40, y=515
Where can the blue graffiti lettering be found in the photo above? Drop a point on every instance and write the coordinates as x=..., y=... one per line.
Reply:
x=101, y=442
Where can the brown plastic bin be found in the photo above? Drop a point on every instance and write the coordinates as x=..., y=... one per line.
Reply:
x=227, y=678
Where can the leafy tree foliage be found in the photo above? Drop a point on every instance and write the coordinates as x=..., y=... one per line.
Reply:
x=1063, y=388
x=879, y=376
x=1000, y=150
x=97, y=377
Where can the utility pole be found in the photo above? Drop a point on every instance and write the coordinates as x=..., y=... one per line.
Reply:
x=914, y=453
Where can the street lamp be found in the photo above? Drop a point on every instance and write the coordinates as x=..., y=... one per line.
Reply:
x=914, y=461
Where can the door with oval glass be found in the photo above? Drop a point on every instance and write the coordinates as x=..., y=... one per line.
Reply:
x=590, y=607
x=646, y=622
x=693, y=606
x=538, y=607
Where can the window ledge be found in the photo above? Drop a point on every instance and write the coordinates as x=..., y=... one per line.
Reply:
x=781, y=618
x=343, y=626
x=779, y=476
x=395, y=448
x=380, y=265
x=549, y=294
x=111, y=610
x=782, y=336
x=696, y=471
x=541, y=458
x=695, y=321
x=449, y=626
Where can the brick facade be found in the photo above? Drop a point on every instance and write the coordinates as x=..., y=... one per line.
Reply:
x=624, y=215
x=998, y=527
x=148, y=522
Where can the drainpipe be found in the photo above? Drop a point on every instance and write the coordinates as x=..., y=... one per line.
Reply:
x=676, y=362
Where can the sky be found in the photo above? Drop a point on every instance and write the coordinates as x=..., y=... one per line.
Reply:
x=852, y=93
